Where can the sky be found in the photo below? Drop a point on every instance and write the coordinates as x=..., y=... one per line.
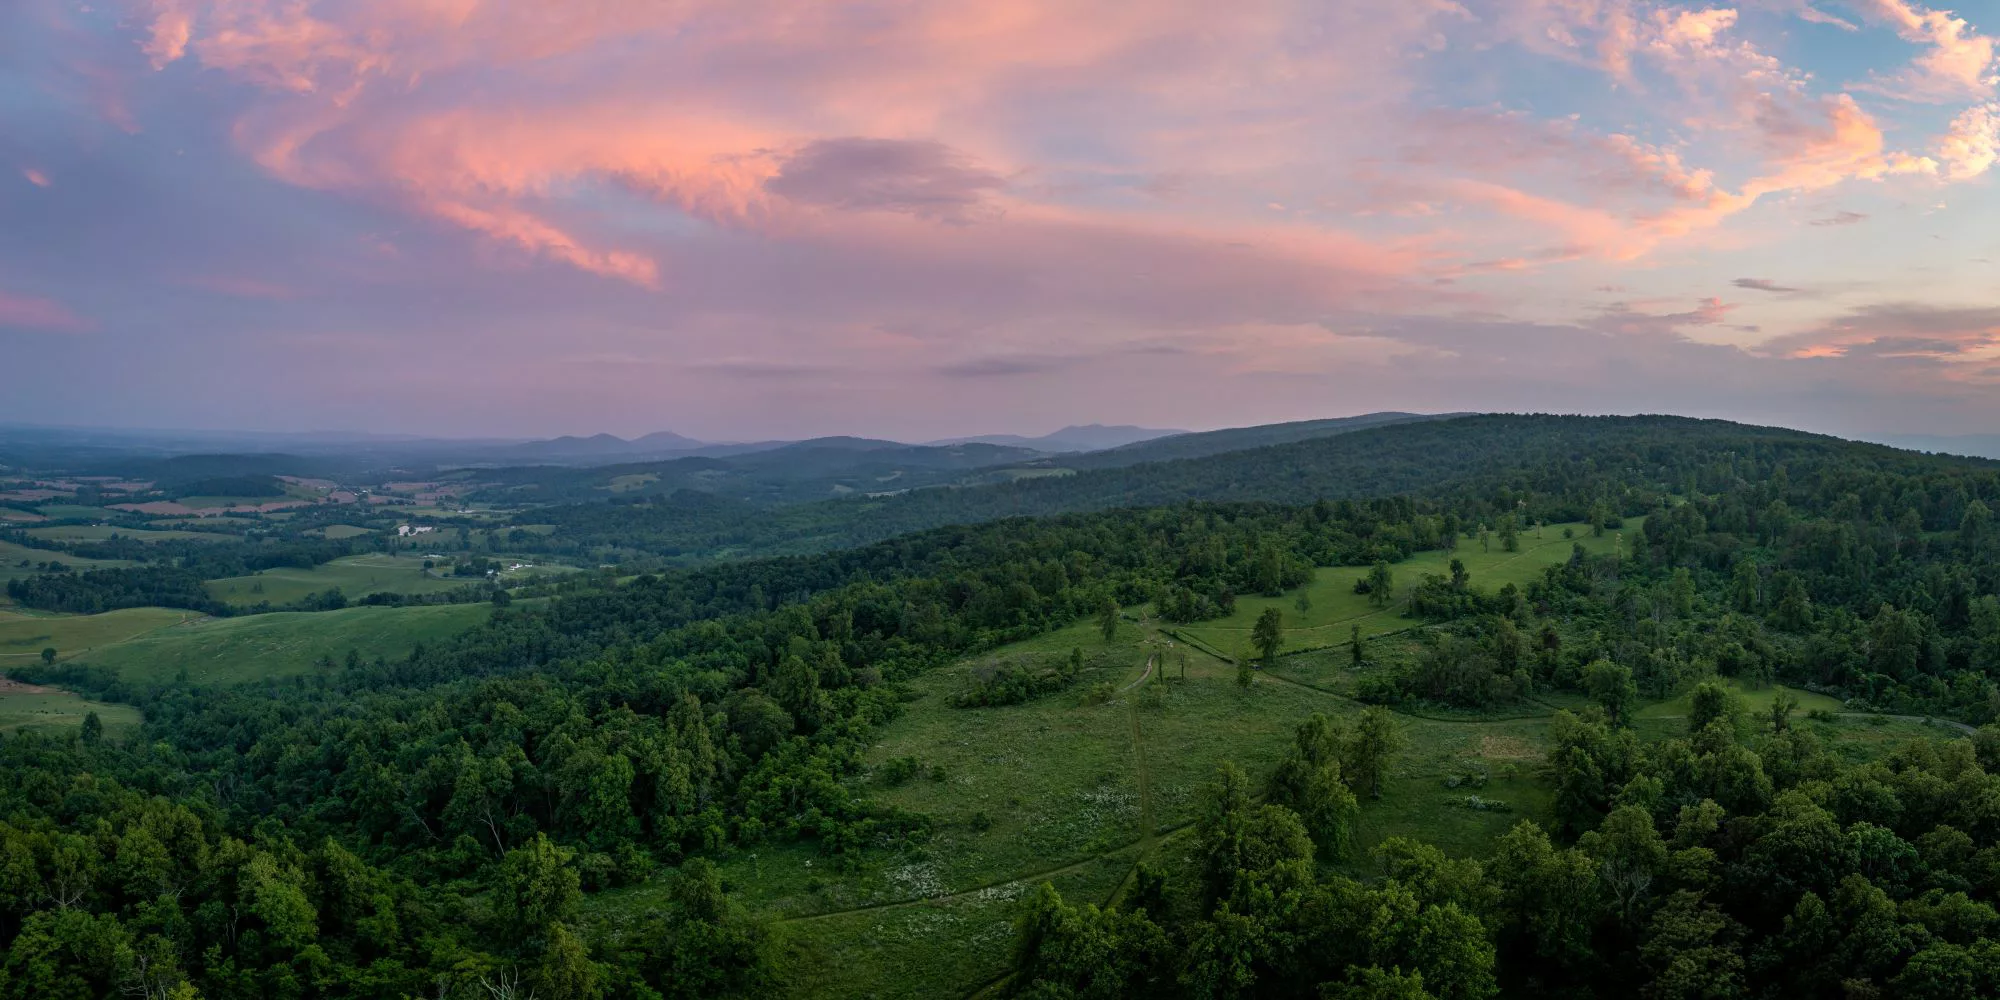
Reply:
x=745, y=219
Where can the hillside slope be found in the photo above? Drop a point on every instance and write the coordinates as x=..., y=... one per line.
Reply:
x=1441, y=457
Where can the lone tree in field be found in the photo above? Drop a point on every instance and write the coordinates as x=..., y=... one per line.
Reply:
x=1107, y=618
x=1381, y=584
x=48, y=655
x=1372, y=749
x=1268, y=635
x=1354, y=647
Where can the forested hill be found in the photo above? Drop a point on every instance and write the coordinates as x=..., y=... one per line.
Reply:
x=1541, y=453
x=1201, y=444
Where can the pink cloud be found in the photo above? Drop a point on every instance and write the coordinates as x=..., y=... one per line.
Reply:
x=1959, y=63
x=1973, y=144
x=32, y=313
x=35, y=177
x=167, y=37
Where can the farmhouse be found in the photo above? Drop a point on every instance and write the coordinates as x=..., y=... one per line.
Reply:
x=406, y=530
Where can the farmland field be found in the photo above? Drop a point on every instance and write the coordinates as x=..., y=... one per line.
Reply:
x=101, y=532
x=356, y=576
x=71, y=510
x=255, y=647
x=23, y=635
x=339, y=531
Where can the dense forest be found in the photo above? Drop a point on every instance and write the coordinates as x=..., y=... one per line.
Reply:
x=1549, y=460
x=432, y=824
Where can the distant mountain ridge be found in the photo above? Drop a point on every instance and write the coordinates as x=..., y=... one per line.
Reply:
x=1076, y=437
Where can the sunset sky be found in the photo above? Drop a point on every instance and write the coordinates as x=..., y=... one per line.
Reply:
x=914, y=219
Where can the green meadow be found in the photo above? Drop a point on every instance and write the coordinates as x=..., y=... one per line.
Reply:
x=256, y=647
x=102, y=532
x=27, y=707
x=1078, y=786
x=1335, y=607
x=24, y=634
x=356, y=576
x=13, y=555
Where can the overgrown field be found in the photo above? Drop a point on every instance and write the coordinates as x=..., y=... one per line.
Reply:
x=1078, y=786
x=1334, y=607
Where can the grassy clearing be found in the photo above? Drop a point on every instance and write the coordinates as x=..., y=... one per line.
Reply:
x=23, y=707
x=255, y=647
x=23, y=635
x=1755, y=701
x=13, y=555
x=1075, y=789
x=631, y=481
x=1336, y=608
x=356, y=576
x=101, y=532
x=58, y=511
x=339, y=531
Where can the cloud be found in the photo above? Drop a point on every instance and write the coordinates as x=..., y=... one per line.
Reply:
x=922, y=178
x=1959, y=63
x=1973, y=144
x=1841, y=218
x=35, y=177
x=996, y=367
x=1621, y=317
x=1898, y=330
x=167, y=38
x=27, y=312
x=1763, y=285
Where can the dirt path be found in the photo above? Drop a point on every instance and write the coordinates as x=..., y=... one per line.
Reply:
x=975, y=890
x=1142, y=676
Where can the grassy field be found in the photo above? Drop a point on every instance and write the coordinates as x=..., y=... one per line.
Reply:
x=100, y=532
x=63, y=510
x=1077, y=786
x=27, y=707
x=339, y=531
x=12, y=555
x=253, y=647
x=24, y=634
x=356, y=576
x=1336, y=608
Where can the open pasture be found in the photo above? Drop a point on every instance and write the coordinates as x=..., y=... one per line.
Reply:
x=26, y=706
x=356, y=576
x=257, y=647
x=19, y=561
x=104, y=532
x=24, y=634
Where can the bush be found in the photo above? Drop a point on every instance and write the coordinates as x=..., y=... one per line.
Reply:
x=900, y=771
